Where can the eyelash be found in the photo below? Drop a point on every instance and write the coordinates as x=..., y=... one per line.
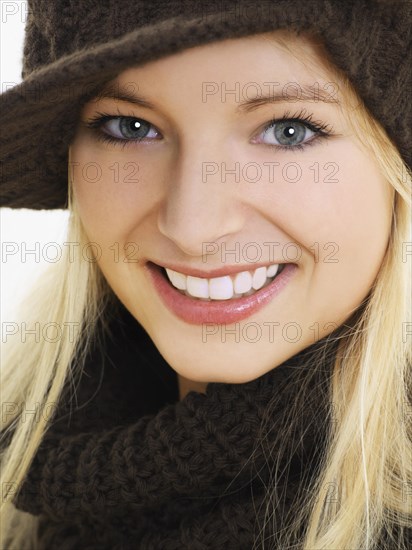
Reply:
x=320, y=129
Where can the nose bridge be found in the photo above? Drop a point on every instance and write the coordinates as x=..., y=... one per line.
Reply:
x=199, y=206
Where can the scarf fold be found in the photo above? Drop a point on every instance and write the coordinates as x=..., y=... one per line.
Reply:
x=133, y=467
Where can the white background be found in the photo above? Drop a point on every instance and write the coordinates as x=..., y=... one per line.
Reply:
x=21, y=229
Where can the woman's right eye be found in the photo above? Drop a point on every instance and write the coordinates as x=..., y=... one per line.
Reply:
x=124, y=129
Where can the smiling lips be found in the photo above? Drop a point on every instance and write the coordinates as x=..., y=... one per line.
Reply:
x=245, y=283
x=222, y=310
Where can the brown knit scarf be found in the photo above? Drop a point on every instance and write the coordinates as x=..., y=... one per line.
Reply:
x=132, y=467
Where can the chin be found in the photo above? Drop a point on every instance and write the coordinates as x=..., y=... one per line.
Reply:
x=231, y=363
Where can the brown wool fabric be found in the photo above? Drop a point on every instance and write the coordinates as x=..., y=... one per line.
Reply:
x=134, y=468
x=130, y=467
x=127, y=465
x=73, y=46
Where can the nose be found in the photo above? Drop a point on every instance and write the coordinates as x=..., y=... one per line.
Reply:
x=200, y=206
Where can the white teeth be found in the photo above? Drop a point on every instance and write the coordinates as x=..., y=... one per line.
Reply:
x=220, y=288
x=272, y=270
x=244, y=283
x=197, y=287
x=177, y=279
x=259, y=278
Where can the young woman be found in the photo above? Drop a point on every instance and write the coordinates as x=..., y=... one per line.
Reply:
x=231, y=310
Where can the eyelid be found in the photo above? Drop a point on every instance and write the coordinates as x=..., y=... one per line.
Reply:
x=95, y=122
x=303, y=118
x=320, y=129
x=145, y=122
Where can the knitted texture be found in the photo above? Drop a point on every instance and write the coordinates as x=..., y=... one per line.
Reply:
x=116, y=474
x=72, y=47
x=191, y=475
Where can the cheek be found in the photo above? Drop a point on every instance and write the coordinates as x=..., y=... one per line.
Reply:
x=112, y=189
x=333, y=194
x=350, y=220
x=338, y=212
x=353, y=212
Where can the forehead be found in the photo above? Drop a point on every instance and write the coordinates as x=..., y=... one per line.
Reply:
x=269, y=60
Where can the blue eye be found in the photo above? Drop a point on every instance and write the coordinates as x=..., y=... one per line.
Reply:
x=288, y=134
x=130, y=128
x=118, y=129
x=293, y=134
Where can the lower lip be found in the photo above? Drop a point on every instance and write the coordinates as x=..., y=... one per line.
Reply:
x=197, y=312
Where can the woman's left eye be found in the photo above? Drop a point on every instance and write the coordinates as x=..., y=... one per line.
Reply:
x=292, y=134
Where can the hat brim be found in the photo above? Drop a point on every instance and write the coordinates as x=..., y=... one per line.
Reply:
x=39, y=116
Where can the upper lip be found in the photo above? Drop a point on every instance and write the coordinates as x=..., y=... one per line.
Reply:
x=220, y=272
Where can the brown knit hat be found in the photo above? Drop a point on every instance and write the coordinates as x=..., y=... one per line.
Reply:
x=73, y=46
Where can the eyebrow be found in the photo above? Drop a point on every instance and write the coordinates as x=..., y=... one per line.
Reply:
x=306, y=93
x=120, y=93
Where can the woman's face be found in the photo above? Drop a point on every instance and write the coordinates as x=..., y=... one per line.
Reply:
x=211, y=190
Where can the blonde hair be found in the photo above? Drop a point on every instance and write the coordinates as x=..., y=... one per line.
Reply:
x=34, y=380
x=368, y=456
x=367, y=462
